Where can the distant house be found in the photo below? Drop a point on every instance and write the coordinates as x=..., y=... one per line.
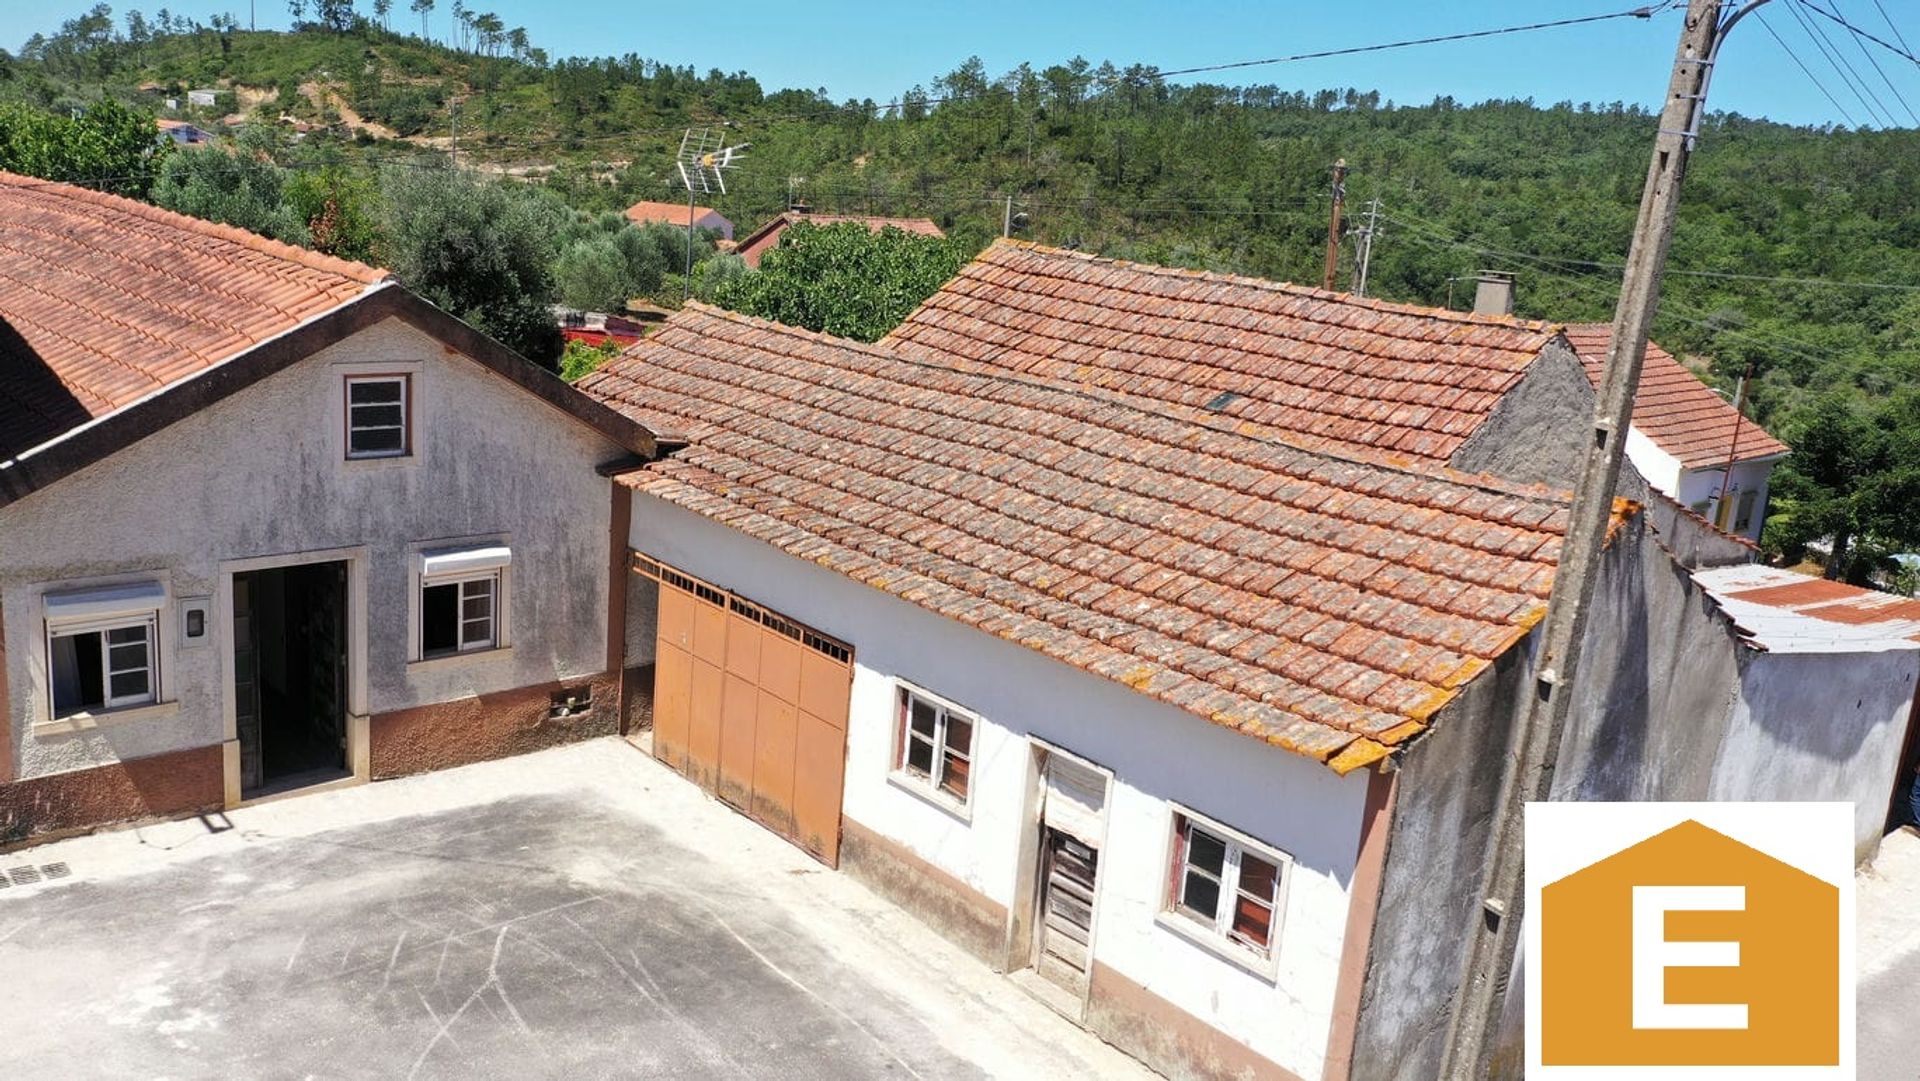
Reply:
x=1684, y=438
x=646, y=212
x=756, y=243
x=203, y=99
x=269, y=520
x=181, y=133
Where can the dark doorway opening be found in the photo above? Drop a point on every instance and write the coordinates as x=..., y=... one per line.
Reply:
x=290, y=675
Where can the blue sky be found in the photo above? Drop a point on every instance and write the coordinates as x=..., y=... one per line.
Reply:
x=877, y=50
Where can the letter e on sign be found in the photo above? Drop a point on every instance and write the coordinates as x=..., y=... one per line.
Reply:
x=1676, y=941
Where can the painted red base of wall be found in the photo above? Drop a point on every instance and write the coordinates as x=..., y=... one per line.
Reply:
x=159, y=786
x=1169, y=1039
x=486, y=726
x=959, y=913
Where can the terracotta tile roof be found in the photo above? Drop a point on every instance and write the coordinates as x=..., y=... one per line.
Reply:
x=1673, y=408
x=1783, y=612
x=1326, y=605
x=1347, y=373
x=647, y=210
x=756, y=243
x=104, y=301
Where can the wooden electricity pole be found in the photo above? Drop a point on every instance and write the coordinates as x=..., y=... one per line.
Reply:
x=1494, y=923
x=1333, y=223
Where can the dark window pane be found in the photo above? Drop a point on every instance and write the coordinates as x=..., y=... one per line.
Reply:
x=919, y=756
x=376, y=440
x=129, y=684
x=1252, y=921
x=76, y=674
x=1201, y=894
x=373, y=390
x=922, y=717
x=439, y=619
x=1258, y=877
x=377, y=416
x=132, y=655
x=953, y=775
x=1206, y=851
x=959, y=734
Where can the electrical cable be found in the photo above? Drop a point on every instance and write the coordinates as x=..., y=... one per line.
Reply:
x=1811, y=77
x=1841, y=66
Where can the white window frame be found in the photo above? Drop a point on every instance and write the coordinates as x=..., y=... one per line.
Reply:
x=101, y=610
x=929, y=785
x=1217, y=933
x=463, y=568
x=405, y=381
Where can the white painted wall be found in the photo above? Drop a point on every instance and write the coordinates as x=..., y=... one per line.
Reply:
x=1819, y=726
x=262, y=474
x=1689, y=487
x=1157, y=753
x=1662, y=470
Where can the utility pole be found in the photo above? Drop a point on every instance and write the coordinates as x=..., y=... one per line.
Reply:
x=1367, y=234
x=1333, y=223
x=1495, y=923
x=1006, y=219
x=1726, y=478
x=453, y=131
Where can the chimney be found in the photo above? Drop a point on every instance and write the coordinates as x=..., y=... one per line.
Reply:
x=1493, y=294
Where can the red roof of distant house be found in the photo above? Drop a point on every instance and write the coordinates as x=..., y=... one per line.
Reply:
x=1674, y=409
x=1341, y=371
x=1324, y=605
x=1780, y=611
x=105, y=301
x=646, y=211
x=767, y=236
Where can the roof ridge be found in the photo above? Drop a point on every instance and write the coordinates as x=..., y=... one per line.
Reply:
x=1486, y=483
x=1544, y=327
x=313, y=260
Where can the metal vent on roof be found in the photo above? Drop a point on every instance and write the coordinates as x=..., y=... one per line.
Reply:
x=1224, y=399
x=24, y=876
x=55, y=870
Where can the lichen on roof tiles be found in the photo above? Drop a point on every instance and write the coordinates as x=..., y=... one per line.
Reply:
x=1674, y=409
x=1141, y=540
x=106, y=300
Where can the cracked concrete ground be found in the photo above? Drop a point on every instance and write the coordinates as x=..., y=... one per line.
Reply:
x=1889, y=953
x=581, y=912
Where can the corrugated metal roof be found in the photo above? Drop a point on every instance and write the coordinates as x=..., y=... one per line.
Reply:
x=1783, y=612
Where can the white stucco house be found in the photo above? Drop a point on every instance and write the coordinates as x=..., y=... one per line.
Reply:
x=268, y=520
x=1188, y=720
x=1686, y=439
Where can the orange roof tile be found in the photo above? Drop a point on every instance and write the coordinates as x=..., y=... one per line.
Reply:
x=1673, y=408
x=104, y=301
x=757, y=242
x=1344, y=372
x=647, y=210
x=1325, y=605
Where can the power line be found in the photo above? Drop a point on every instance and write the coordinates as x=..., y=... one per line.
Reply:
x=1897, y=36
x=1901, y=49
x=1645, y=12
x=1841, y=66
x=1811, y=77
x=1861, y=44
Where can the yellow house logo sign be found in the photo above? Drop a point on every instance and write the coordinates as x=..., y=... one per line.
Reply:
x=1661, y=946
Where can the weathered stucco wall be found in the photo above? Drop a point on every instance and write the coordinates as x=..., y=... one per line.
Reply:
x=262, y=474
x=1442, y=818
x=1156, y=752
x=1537, y=432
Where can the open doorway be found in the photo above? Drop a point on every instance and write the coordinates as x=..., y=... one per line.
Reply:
x=290, y=675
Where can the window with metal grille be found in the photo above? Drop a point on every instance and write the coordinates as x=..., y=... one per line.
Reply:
x=934, y=745
x=379, y=416
x=1225, y=884
x=107, y=664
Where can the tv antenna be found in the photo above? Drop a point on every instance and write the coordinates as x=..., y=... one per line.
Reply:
x=703, y=163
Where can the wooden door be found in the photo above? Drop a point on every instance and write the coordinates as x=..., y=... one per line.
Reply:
x=1065, y=950
x=246, y=682
x=752, y=707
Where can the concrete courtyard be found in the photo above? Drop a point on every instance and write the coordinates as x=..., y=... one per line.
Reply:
x=576, y=913
x=1889, y=1001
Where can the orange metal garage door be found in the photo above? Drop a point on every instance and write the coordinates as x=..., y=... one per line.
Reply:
x=752, y=707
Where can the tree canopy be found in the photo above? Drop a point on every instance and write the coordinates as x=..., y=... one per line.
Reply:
x=844, y=279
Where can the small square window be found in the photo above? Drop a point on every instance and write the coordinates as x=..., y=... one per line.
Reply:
x=379, y=416
x=934, y=745
x=101, y=666
x=1229, y=886
x=458, y=616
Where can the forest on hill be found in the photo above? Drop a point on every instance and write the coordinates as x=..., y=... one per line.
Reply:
x=1797, y=254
